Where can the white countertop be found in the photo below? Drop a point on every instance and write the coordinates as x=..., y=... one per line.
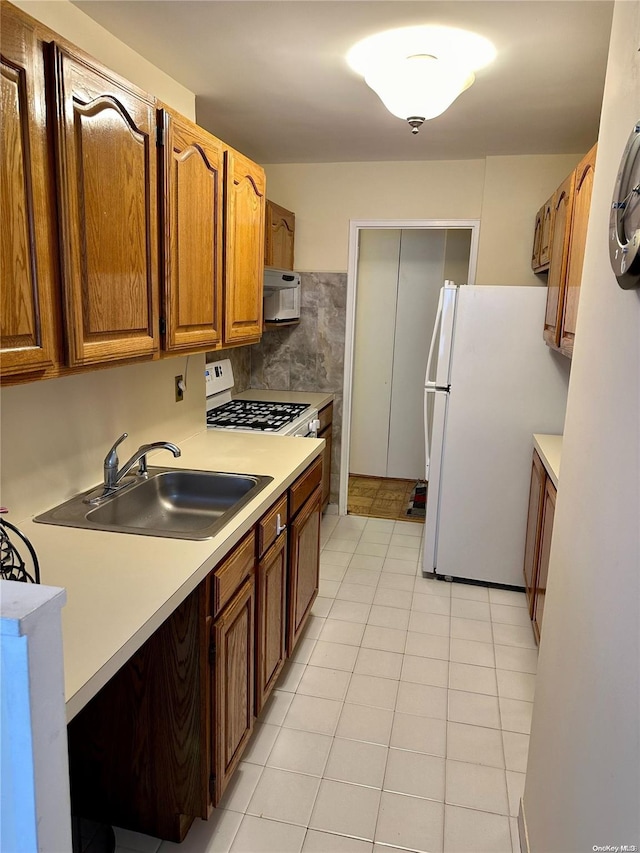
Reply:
x=549, y=449
x=316, y=399
x=121, y=587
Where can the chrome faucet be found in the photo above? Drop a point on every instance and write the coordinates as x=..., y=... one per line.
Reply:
x=113, y=474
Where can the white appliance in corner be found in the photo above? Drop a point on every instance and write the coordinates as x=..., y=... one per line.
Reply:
x=281, y=296
x=491, y=382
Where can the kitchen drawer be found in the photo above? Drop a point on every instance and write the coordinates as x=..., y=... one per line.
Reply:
x=325, y=416
x=232, y=572
x=304, y=486
x=268, y=525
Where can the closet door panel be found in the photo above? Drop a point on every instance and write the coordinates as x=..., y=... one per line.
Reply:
x=420, y=277
x=372, y=369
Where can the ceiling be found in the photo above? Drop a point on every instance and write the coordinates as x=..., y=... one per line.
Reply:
x=271, y=77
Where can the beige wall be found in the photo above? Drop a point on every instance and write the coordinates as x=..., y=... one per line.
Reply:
x=583, y=777
x=504, y=192
x=514, y=190
x=67, y=20
x=55, y=434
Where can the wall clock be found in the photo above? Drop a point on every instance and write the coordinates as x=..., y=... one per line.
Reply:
x=624, y=222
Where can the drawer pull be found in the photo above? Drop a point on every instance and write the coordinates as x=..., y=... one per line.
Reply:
x=279, y=527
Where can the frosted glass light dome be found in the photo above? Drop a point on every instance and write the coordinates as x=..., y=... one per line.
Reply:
x=417, y=72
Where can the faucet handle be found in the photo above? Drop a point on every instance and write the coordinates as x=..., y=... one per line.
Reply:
x=111, y=459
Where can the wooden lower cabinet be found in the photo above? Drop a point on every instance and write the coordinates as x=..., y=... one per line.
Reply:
x=546, y=530
x=325, y=416
x=137, y=751
x=232, y=686
x=542, y=502
x=534, y=519
x=271, y=618
x=304, y=565
x=159, y=744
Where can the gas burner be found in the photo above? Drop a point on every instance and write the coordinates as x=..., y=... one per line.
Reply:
x=259, y=415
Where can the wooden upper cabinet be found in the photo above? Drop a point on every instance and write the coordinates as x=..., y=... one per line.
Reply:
x=580, y=220
x=537, y=237
x=191, y=167
x=244, y=244
x=29, y=270
x=546, y=234
x=562, y=209
x=106, y=162
x=279, y=236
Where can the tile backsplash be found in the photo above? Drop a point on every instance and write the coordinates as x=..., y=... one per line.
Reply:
x=305, y=357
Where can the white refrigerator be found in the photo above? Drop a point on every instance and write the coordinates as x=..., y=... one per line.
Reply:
x=491, y=383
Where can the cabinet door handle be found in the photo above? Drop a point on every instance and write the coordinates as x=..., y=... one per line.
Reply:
x=279, y=526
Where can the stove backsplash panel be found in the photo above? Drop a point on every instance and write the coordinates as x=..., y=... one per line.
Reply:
x=305, y=357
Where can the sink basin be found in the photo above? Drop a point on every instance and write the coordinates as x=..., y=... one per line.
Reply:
x=173, y=502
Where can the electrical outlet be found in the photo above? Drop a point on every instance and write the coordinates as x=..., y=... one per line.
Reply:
x=179, y=388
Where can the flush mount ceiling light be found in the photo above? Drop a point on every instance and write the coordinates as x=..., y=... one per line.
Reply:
x=417, y=72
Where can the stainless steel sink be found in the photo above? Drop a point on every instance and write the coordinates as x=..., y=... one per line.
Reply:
x=173, y=502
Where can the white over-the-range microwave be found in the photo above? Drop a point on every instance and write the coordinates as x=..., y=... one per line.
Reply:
x=281, y=295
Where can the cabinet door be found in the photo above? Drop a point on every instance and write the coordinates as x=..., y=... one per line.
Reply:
x=534, y=519
x=546, y=530
x=562, y=207
x=279, y=237
x=304, y=566
x=137, y=750
x=327, y=434
x=29, y=278
x=244, y=245
x=537, y=237
x=233, y=677
x=580, y=220
x=271, y=619
x=546, y=235
x=106, y=162
x=192, y=165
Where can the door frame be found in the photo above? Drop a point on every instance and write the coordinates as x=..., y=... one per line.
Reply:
x=355, y=226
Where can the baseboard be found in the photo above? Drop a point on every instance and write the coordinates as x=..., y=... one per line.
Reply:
x=522, y=830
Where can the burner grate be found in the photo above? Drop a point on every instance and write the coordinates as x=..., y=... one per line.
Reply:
x=260, y=415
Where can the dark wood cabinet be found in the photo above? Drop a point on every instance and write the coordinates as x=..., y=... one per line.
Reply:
x=159, y=744
x=325, y=416
x=542, y=501
x=304, y=564
x=105, y=133
x=232, y=685
x=532, y=539
x=138, y=751
x=546, y=531
x=244, y=247
x=271, y=617
x=191, y=177
x=28, y=308
x=280, y=226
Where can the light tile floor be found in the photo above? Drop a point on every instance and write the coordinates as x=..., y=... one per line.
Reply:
x=402, y=720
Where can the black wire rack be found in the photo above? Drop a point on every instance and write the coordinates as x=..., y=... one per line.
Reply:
x=13, y=566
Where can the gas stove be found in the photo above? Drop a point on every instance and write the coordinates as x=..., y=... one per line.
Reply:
x=264, y=416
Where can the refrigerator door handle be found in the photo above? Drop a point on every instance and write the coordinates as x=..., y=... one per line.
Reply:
x=431, y=388
x=427, y=442
x=434, y=338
